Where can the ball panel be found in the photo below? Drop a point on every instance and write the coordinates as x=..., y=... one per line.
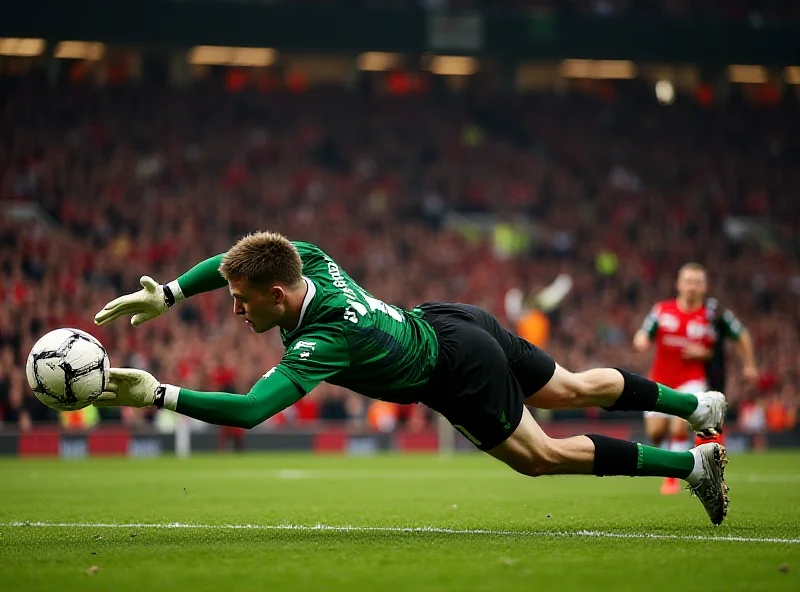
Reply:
x=88, y=387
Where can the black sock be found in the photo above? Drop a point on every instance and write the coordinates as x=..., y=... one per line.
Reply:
x=613, y=456
x=638, y=393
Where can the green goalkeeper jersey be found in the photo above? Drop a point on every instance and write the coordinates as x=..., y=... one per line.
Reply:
x=349, y=338
x=345, y=336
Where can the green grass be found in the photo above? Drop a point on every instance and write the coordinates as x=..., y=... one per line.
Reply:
x=535, y=543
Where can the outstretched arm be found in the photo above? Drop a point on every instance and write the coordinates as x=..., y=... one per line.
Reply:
x=269, y=396
x=306, y=362
x=153, y=299
x=136, y=388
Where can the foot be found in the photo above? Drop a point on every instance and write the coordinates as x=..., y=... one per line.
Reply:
x=709, y=416
x=709, y=485
x=670, y=486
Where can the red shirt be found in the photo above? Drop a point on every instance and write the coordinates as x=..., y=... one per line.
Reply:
x=672, y=330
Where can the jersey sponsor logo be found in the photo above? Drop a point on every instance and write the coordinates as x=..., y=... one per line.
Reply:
x=669, y=323
x=305, y=344
x=308, y=346
x=695, y=330
x=679, y=341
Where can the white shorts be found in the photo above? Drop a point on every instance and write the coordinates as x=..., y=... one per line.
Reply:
x=693, y=387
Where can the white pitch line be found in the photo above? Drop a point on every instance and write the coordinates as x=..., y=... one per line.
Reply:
x=410, y=529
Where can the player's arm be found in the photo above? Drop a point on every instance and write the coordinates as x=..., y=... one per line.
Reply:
x=270, y=395
x=306, y=363
x=733, y=329
x=644, y=336
x=136, y=388
x=153, y=299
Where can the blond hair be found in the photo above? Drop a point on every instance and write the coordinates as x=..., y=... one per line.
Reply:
x=693, y=266
x=263, y=258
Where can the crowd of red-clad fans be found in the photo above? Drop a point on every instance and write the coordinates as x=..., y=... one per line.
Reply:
x=619, y=193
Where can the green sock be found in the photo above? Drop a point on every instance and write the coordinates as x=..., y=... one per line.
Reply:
x=673, y=402
x=655, y=462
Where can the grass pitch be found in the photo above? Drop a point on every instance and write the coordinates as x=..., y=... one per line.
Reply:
x=298, y=522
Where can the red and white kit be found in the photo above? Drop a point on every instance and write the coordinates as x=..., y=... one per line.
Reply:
x=672, y=330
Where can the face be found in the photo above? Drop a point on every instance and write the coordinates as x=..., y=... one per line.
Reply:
x=692, y=285
x=261, y=308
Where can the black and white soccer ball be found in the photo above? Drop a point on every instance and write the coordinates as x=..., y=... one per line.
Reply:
x=67, y=369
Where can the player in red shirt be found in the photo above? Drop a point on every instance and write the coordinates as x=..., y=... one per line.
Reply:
x=685, y=338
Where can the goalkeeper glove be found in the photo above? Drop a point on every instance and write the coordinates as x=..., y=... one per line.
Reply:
x=144, y=305
x=128, y=387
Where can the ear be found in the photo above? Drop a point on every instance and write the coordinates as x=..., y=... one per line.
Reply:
x=279, y=294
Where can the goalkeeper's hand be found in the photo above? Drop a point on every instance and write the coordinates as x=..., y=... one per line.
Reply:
x=128, y=387
x=144, y=305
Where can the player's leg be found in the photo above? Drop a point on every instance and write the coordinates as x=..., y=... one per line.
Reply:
x=656, y=426
x=619, y=390
x=531, y=452
x=678, y=441
x=679, y=434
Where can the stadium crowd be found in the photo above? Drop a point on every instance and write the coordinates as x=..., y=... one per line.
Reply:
x=100, y=186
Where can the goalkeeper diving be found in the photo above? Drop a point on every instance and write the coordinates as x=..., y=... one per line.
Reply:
x=455, y=358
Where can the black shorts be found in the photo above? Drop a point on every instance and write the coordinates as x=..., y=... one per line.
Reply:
x=483, y=373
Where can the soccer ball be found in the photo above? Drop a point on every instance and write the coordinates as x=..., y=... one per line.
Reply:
x=67, y=369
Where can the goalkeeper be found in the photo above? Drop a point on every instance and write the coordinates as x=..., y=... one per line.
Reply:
x=455, y=358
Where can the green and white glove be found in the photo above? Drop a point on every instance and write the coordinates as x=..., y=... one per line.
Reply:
x=128, y=387
x=145, y=305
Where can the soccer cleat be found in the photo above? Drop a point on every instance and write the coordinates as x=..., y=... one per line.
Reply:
x=709, y=416
x=711, y=488
x=670, y=486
